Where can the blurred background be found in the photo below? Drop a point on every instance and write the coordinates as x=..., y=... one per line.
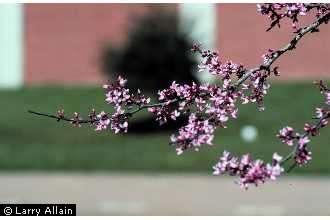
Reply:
x=56, y=56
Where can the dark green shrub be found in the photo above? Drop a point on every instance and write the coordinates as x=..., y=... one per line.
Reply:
x=155, y=54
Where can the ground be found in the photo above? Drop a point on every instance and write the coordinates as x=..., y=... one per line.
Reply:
x=167, y=194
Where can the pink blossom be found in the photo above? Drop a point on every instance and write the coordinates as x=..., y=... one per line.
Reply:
x=319, y=112
x=119, y=121
x=76, y=120
x=247, y=170
x=102, y=122
x=276, y=12
x=116, y=93
x=303, y=156
x=221, y=166
x=327, y=96
x=324, y=90
x=212, y=63
x=277, y=158
x=196, y=133
x=311, y=129
x=274, y=171
x=324, y=122
x=140, y=99
x=175, y=114
x=60, y=114
x=287, y=135
x=175, y=100
x=303, y=141
x=121, y=81
x=255, y=90
x=267, y=56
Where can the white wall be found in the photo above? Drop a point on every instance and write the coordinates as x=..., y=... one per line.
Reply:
x=199, y=20
x=11, y=45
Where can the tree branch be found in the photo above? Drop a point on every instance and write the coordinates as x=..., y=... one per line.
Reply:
x=290, y=46
x=266, y=66
x=295, y=148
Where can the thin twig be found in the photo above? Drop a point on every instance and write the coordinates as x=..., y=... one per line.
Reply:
x=284, y=49
x=291, y=167
x=60, y=118
x=309, y=7
x=296, y=147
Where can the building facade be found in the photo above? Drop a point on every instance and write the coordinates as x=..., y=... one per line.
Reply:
x=61, y=43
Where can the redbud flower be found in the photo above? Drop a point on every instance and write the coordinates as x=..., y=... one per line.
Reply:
x=118, y=121
x=76, y=120
x=117, y=94
x=277, y=11
x=196, y=133
x=287, y=135
x=302, y=156
x=247, y=170
x=311, y=129
x=266, y=57
x=60, y=114
x=277, y=158
x=140, y=100
x=327, y=96
x=102, y=122
x=319, y=112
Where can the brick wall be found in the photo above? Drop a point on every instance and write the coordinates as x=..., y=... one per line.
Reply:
x=63, y=42
x=242, y=37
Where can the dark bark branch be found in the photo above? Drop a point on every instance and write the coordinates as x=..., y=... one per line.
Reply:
x=309, y=7
x=58, y=118
x=284, y=49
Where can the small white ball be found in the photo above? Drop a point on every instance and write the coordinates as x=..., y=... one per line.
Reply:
x=249, y=133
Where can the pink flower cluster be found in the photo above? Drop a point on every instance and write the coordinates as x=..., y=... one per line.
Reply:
x=196, y=133
x=122, y=100
x=324, y=90
x=267, y=56
x=288, y=136
x=222, y=105
x=100, y=121
x=302, y=155
x=256, y=88
x=118, y=95
x=248, y=171
x=252, y=91
x=119, y=121
x=213, y=104
x=174, y=101
x=75, y=120
x=278, y=11
x=212, y=63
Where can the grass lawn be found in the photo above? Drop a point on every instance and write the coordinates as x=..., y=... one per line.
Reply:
x=31, y=143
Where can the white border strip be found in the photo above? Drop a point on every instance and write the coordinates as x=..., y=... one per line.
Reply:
x=180, y=217
x=157, y=1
